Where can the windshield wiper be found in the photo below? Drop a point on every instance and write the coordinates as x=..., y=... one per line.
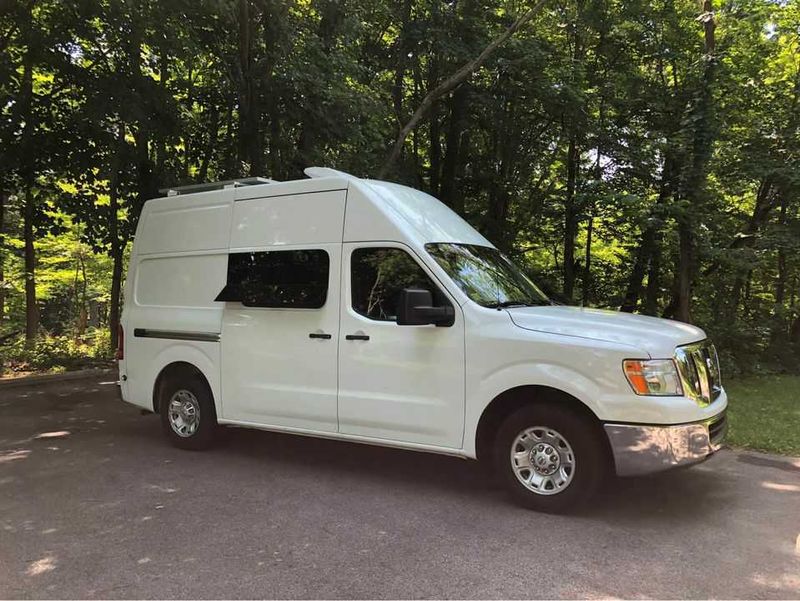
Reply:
x=517, y=303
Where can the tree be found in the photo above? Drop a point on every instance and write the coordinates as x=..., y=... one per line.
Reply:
x=455, y=80
x=632, y=155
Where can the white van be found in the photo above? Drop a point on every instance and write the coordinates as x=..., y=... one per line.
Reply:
x=370, y=312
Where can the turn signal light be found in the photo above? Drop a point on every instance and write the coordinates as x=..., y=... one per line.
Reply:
x=658, y=377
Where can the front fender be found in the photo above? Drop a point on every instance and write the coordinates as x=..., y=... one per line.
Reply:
x=551, y=375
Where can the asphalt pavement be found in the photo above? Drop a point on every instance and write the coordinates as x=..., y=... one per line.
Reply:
x=95, y=504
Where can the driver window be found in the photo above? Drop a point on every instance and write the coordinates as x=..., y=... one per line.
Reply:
x=378, y=275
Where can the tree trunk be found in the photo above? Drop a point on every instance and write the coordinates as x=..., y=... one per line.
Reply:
x=31, y=308
x=249, y=123
x=570, y=218
x=587, y=271
x=211, y=145
x=694, y=181
x=274, y=138
x=435, y=152
x=640, y=263
x=116, y=287
x=80, y=286
x=780, y=282
x=229, y=162
x=117, y=248
x=683, y=276
x=28, y=180
x=401, y=59
x=653, y=277
x=453, y=146
x=329, y=24
x=2, y=258
x=649, y=247
x=500, y=197
x=434, y=132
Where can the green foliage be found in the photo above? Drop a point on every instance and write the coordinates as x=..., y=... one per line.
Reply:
x=57, y=353
x=764, y=413
x=685, y=160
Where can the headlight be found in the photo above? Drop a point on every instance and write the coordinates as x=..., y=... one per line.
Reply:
x=657, y=377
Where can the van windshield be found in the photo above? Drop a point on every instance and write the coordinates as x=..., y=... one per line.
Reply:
x=486, y=275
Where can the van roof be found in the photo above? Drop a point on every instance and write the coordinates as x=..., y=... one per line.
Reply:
x=311, y=172
x=382, y=210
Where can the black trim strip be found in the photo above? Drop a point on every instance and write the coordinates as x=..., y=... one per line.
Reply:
x=262, y=197
x=176, y=335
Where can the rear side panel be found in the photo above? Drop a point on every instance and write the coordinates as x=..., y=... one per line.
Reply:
x=178, y=266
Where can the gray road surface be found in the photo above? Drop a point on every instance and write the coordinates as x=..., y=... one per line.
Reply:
x=93, y=503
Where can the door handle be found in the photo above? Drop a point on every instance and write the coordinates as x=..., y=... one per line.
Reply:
x=319, y=335
x=357, y=337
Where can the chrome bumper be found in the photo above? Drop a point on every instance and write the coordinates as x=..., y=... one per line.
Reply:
x=646, y=449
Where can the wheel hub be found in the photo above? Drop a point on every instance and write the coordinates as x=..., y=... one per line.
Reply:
x=184, y=413
x=544, y=459
x=188, y=411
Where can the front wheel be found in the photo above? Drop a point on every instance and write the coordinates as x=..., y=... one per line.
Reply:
x=550, y=457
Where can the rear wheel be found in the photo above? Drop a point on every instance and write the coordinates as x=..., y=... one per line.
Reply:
x=550, y=457
x=188, y=417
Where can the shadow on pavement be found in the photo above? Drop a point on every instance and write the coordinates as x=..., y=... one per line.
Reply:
x=684, y=493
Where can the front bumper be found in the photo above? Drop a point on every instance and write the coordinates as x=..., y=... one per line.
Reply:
x=645, y=449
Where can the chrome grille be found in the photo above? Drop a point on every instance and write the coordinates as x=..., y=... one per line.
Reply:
x=698, y=366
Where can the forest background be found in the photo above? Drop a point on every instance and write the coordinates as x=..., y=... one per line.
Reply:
x=637, y=155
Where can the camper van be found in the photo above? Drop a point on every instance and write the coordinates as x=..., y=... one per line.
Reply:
x=369, y=312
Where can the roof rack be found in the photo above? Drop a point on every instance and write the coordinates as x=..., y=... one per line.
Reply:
x=208, y=186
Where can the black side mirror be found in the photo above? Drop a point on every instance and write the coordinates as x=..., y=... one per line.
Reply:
x=415, y=308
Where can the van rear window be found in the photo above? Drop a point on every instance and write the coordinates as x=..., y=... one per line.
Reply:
x=296, y=279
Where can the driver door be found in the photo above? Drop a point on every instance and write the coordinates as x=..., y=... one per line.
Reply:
x=400, y=383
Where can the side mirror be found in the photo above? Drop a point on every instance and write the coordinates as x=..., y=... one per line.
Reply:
x=415, y=308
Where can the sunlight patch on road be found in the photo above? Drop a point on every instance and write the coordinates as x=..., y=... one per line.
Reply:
x=9, y=456
x=53, y=434
x=164, y=489
x=781, y=487
x=41, y=566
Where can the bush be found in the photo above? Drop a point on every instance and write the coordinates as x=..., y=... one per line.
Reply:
x=58, y=353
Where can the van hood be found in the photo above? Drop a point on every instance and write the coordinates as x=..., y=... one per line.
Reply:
x=653, y=335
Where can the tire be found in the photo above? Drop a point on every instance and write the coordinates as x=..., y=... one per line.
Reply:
x=567, y=448
x=188, y=416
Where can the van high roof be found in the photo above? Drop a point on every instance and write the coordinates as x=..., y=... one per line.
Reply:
x=376, y=210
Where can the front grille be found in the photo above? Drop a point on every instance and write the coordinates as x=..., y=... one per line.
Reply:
x=699, y=370
x=717, y=429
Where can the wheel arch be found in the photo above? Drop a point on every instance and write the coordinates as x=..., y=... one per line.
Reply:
x=177, y=369
x=509, y=401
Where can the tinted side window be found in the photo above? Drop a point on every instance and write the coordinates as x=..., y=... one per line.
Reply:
x=377, y=275
x=283, y=278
